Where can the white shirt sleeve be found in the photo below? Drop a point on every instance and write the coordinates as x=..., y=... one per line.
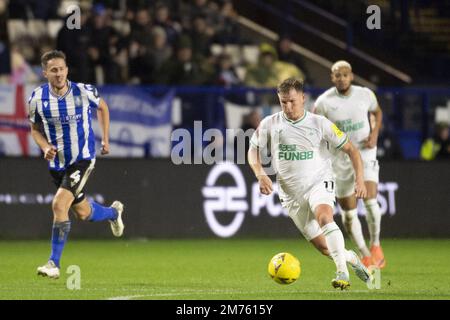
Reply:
x=331, y=133
x=319, y=107
x=261, y=137
x=373, y=102
x=33, y=115
x=92, y=94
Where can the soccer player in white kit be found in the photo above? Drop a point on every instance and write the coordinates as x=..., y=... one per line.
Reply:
x=348, y=106
x=299, y=142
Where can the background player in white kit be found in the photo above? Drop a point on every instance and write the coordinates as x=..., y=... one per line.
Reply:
x=299, y=143
x=348, y=106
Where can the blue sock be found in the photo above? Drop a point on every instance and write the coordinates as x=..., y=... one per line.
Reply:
x=60, y=231
x=100, y=213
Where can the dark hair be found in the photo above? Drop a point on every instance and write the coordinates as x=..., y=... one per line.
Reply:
x=290, y=83
x=441, y=126
x=51, y=55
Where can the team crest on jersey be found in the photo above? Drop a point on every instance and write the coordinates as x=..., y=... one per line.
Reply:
x=45, y=103
x=278, y=132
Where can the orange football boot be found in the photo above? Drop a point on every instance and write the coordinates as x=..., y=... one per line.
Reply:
x=378, y=256
x=367, y=261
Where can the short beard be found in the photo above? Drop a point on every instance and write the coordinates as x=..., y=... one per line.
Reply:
x=344, y=91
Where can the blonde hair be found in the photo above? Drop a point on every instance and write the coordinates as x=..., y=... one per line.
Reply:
x=340, y=64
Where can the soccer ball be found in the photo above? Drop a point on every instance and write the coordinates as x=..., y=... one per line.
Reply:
x=284, y=268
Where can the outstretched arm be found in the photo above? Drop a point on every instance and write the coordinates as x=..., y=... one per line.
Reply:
x=103, y=119
x=355, y=157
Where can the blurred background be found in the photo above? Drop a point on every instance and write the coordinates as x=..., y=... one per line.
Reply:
x=161, y=65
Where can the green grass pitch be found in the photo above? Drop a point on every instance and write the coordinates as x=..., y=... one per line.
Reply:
x=215, y=269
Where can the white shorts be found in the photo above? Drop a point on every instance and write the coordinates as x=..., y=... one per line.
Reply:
x=345, y=175
x=301, y=210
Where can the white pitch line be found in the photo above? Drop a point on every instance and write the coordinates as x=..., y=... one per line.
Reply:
x=125, y=297
x=221, y=292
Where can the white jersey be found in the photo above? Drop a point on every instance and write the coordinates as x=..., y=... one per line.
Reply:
x=299, y=150
x=349, y=113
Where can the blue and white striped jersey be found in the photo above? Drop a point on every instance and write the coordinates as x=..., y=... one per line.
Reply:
x=66, y=121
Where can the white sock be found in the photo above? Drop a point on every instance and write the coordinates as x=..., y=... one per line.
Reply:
x=350, y=257
x=353, y=226
x=336, y=245
x=373, y=218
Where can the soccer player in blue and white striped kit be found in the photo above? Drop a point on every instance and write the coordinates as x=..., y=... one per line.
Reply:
x=63, y=109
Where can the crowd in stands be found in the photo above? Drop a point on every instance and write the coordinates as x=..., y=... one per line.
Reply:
x=437, y=146
x=156, y=42
x=147, y=42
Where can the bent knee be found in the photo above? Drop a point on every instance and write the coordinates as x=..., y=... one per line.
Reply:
x=82, y=214
x=324, y=218
x=324, y=214
x=59, y=206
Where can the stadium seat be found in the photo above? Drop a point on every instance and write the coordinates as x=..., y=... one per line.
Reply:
x=250, y=54
x=37, y=28
x=16, y=29
x=53, y=27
